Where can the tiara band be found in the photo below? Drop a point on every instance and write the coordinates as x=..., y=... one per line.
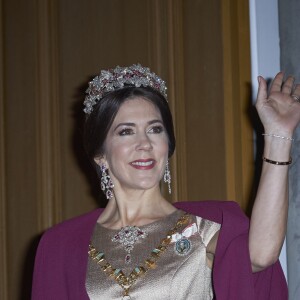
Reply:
x=114, y=79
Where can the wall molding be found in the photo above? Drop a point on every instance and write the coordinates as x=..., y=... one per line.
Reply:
x=48, y=116
x=237, y=98
x=166, y=40
x=3, y=230
x=176, y=92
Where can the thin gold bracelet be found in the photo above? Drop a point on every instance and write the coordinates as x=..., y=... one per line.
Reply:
x=278, y=163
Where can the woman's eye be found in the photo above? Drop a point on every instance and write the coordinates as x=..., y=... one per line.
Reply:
x=126, y=131
x=156, y=129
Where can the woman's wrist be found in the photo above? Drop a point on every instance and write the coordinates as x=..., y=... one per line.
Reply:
x=278, y=136
x=277, y=149
x=276, y=162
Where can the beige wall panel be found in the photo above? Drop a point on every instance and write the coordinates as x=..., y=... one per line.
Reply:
x=3, y=224
x=93, y=36
x=204, y=100
x=20, y=138
x=238, y=109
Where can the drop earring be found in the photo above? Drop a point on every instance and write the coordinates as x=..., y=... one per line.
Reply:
x=167, y=177
x=106, y=182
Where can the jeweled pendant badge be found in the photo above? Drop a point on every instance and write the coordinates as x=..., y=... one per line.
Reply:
x=182, y=246
x=128, y=236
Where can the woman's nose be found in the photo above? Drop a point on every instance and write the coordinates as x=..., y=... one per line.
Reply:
x=144, y=142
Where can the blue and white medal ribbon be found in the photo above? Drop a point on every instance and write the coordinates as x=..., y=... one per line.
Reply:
x=182, y=244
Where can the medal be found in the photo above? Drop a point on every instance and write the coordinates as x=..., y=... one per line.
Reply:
x=182, y=244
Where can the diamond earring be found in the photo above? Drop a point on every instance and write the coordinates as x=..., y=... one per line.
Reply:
x=167, y=177
x=106, y=182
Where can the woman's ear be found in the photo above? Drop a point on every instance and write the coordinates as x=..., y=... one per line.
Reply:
x=99, y=160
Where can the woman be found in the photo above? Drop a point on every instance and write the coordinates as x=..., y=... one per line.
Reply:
x=142, y=247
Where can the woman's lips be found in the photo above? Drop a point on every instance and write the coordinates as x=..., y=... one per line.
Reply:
x=143, y=164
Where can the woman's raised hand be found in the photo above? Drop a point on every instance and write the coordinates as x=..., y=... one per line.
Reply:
x=279, y=109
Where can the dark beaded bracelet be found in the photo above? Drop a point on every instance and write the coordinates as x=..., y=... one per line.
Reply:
x=278, y=163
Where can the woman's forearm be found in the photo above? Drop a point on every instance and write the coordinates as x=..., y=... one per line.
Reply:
x=269, y=215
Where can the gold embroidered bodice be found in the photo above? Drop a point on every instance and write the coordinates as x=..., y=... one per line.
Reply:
x=176, y=276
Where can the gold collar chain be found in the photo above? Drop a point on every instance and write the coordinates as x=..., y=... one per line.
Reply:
x=150, y=263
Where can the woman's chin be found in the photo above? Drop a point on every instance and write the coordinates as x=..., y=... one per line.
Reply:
x=144, y=186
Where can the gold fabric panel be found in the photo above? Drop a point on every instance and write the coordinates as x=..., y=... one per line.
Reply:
x=179, y=277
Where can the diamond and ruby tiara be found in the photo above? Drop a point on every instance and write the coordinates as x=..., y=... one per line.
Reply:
x=114, y=79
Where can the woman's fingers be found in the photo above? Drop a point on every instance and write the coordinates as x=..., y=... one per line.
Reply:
x=277, y=83
x=296, y=93
x=262, y=93
x=288, y=85
x=279, y=90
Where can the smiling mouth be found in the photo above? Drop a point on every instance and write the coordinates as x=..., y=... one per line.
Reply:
x=143, y=164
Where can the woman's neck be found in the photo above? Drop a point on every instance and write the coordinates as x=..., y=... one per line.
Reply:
x=135, y=208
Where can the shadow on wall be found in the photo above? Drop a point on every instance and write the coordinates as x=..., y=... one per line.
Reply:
x=84, y=164
x=258, y=146
x=27, y=269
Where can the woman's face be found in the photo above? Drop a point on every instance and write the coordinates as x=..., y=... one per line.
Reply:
x=136, y=147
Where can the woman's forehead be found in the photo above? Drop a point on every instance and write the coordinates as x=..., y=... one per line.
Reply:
x=137, y=109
